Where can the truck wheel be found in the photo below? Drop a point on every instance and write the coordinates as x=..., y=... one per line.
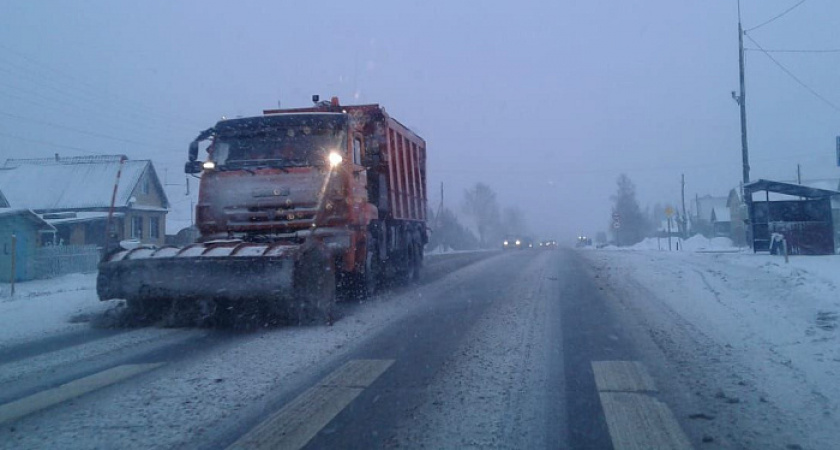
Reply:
x=412, y=261
x=416, y=263
x=315, y=283
x=364, y=284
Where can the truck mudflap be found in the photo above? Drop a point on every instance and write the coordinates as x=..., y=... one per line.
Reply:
x=292, y=280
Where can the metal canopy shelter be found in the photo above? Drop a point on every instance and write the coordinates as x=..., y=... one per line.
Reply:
x=796, y=190
x=805, y=222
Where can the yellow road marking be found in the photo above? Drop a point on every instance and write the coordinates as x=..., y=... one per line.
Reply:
x=622, y=376
x=357, y=373
x=293, y=426
x=44, y=399
x=639, y=421
x=635, y=419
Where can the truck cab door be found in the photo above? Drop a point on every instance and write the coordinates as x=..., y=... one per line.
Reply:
x=358, y=180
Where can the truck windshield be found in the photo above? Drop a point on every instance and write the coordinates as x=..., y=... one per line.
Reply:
x=283, y=143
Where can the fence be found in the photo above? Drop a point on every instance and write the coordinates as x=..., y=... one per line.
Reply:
x=63, y=259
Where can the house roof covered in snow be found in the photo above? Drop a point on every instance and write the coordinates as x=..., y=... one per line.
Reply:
x=73, y=183
x=76, y=217
x=3, y=202
x=27, y=214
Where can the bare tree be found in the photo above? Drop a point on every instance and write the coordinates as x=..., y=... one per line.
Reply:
x=632, y=223
x=449, y=234
x=480, y=203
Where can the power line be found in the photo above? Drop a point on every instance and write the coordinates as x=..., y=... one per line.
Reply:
x=38, y=98
x=51, y=144
x=776, y=17
x=92, y=89
x=63, y=146
x=828, y=50
x=76, y=130
x=795, y=78
x=78, y=99
x=652, y=168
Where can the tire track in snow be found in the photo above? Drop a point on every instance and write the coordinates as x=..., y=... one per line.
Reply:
x=487, y=395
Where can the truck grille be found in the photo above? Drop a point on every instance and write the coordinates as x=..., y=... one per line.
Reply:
x=270, y=216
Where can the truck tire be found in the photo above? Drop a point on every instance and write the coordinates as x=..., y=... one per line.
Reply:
x=314, y=288
x=412, y=262
x=417, y=263
x=364, y=285
x=361, y=286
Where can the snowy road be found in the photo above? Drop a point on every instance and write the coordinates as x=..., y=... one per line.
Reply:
x=523, y=349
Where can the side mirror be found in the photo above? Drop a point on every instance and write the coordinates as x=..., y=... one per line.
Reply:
x=193, y=153
x=192, y=167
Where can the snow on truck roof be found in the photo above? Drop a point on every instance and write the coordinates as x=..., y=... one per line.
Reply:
x=348, y=109
x=69, y=183
x=300, y=113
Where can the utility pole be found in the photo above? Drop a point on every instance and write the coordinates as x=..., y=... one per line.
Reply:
x=798, y=174
x=741, y=99
x=684, y=218
x=440, y=206
x=437, y=216
x=14, y=261
x=742, y=102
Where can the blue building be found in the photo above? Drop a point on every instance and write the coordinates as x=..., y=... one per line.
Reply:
x=30, y=232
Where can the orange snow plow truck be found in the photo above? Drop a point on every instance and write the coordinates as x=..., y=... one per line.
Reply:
x=293, y=205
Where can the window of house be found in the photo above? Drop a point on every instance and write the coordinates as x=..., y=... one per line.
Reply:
x=357, y=151
x=137, y=227
x=154, y=227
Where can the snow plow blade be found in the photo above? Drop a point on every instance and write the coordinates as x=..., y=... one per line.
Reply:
x=280, y=276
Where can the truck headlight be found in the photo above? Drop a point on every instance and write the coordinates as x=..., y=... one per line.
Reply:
x=518, y=242
x=335, y=159
x=506, y=243
x=209, y=165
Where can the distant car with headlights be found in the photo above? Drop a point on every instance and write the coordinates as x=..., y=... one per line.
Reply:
x=517, y=243
x=511, y=243
x=583, y=241
x=549, y=244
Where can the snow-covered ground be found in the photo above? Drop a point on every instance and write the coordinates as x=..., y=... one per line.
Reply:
x=47, y=307
x=239, y=369
x=696, y=243
x=43, y=308
x=757, y=336
x=440, y=251
x=488, y=389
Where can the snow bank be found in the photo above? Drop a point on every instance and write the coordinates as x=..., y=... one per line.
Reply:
x=696, y=243
x=750, y=328
x=699, y=243
x=45, y=307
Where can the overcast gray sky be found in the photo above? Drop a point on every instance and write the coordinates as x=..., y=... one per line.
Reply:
x=545, y=101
